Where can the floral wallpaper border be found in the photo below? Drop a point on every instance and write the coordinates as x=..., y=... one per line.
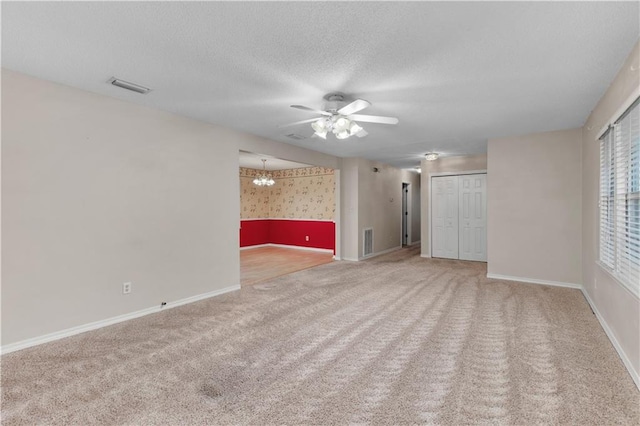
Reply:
x=277, y=174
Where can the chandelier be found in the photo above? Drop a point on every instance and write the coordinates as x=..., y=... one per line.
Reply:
x=340, y=126
x=265, y=178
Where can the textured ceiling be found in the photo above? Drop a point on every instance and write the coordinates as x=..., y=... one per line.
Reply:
x=455, y=73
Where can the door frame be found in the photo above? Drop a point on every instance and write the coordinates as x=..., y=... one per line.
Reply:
x=408, y=215
x=436, y=174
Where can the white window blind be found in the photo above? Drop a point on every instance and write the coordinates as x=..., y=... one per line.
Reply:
x=607, y=192
x=620, y=199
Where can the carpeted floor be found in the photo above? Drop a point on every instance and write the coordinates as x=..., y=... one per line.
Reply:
x=394, y=340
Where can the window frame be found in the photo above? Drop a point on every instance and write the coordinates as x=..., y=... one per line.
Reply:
x=618, y=235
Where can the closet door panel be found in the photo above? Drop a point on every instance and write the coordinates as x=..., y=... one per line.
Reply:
x=473, y=220
x=444, y=213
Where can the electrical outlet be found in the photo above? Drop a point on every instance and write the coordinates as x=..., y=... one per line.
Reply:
x=126, y=288
x=306, y=238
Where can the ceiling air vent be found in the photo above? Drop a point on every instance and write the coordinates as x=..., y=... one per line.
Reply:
x=295, y=136
x=129, y=86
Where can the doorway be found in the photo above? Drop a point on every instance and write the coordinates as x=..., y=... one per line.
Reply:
x=289, y=224
x=405, y=214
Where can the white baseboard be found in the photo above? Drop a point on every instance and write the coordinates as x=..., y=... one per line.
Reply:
x=414, y=243
x=380, y=253
x=301, y=248
x=34, y=341
x=426, y=256
x=353, y=259
x=253, y=247
x=625, y=360
x=199, y=297
x=535, y=281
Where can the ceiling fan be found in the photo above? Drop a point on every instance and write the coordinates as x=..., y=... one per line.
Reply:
x=340, y=119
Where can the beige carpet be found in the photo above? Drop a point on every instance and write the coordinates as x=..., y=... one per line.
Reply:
x=395, y=340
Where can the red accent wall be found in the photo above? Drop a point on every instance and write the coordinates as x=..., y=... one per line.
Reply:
x=254, y=232
x=322, y=234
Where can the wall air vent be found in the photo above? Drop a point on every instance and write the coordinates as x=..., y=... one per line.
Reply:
x=367, y=243
x=295, y=136
x=129, y=86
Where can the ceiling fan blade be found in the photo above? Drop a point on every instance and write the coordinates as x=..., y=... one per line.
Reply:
x=353, y=107
x=317, y=111
x=374, y=119
x=362, y=133
x=299, y=122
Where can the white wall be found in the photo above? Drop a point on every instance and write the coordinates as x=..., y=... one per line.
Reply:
x=534, y=207
x=441, y=165
x=618, y=308
x=97, y=191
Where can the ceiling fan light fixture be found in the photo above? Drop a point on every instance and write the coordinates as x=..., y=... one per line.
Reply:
x=354, y=128
x=319, y=126
x=339, y=119
x=341, y=125
x=342, y=135
x=432, y=156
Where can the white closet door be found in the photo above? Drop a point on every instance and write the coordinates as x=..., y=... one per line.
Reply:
x=444, y=212
x=473, y=217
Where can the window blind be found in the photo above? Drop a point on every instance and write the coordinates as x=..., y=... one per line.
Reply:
x=620, y=199
x=607, y=185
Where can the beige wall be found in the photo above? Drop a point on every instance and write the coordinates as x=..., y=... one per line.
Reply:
x=379, y=205
x=442, y=165
x=349, y=208
x=258, y=145
x=534, y=206
x=97, y=192
x=373, y=200
x=618, y=307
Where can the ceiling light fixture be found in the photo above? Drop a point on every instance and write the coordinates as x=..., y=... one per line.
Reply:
x=320, y=127
x=432, y=156
x=265, y=178
x=340, y=126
